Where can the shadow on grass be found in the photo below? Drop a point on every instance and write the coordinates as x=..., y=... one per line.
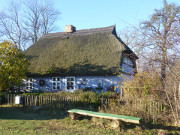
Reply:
x=164, y=127
x=153, y=126
x=29, y=113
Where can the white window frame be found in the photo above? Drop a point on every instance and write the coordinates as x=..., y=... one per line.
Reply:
x=56, y=83
x=29, y=84
x=67, y=82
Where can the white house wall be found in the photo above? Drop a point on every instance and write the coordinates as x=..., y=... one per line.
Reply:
x=91, y=81
x=127, y=69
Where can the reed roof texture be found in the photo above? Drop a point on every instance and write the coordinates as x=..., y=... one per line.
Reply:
x=84, y=52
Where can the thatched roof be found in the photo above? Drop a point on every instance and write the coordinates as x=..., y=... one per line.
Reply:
x=84, y=52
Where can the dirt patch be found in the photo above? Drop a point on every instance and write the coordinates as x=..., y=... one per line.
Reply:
x=53, y=128
x=38, y=128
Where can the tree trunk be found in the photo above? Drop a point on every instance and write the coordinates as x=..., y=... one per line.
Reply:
x=163, y=63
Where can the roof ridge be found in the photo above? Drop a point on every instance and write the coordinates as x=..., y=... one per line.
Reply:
x=99, y=29
x=80, y=32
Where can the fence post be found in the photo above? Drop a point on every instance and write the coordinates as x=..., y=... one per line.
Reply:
x=179, y=92
x=12, y=98
x=8, y=99
x=121, y=93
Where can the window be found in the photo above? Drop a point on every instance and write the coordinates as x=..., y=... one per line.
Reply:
x=127, y=61
x=99, y=83
x=83, y=81
x=99, y=86
x=56, y=83
x=128, y=65
x=70, y=83
x=28, y=84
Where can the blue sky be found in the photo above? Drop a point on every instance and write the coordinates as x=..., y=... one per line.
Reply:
x=85, y=14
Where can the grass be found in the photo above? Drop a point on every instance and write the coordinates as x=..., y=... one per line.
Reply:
x=22, y=121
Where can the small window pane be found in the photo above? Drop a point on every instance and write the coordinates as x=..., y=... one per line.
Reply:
x=68, y=79
x=58, y=79
x=68, y=87
x=68, y=83
x=54, y=79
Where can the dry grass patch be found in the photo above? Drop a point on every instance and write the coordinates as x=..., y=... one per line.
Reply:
x=16, y=121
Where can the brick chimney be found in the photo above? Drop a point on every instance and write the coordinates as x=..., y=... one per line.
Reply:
x=70, y=29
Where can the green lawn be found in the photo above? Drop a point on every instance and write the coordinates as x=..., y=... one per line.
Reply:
x=28, y=121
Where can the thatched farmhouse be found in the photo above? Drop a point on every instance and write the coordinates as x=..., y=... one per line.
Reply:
x=78, y=59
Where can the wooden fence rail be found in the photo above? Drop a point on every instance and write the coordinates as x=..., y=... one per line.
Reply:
x=58, y=102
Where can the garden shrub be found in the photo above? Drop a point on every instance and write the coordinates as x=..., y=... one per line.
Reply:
x=88, y=89
x=77, y=92
x=111, y=88
x=31, y=93
x=141, y=98
x=144, y=84
x=129, y=108
x=90, y=97
x=1, y=96
x=109, y=94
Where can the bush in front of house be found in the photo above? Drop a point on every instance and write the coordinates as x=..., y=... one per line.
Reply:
x=1, y=98
x=142, y=97
x=88, y=89
x=144, y=84
x=39, y=93
x=109, y=94
x=90, y=97
x=14, y=66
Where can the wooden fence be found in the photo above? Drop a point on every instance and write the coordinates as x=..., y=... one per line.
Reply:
x=53, y=101
x=56, y=102
x=126, y=100
x=40, y=100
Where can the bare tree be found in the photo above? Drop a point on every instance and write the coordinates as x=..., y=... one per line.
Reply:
x=133, y=37
x=48, y=15
x=172, y=91
x=40, y=17
x=161, y=36
x=32, y=21
x=11, y=25
x=24, y=22
x=159, y=41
